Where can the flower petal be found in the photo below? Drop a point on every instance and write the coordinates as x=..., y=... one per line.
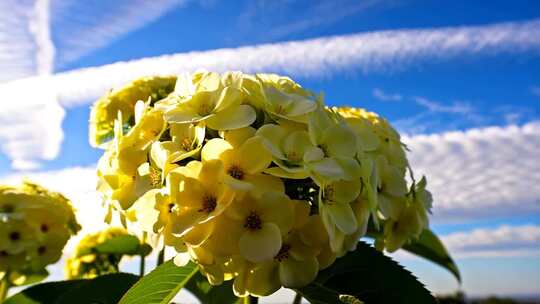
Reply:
x=273, y=136
x=343, y=217
x=145, y=210
x=339, y=140
x=294, y=273
x=263, y=279
x=262, y=244
x=214, y=148
x=232, y=118
x=280, y=172
x=253, y=157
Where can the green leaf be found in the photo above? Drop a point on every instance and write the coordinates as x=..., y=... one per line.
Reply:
x=105, y=289
x=369, y=276
x=431, y=248
x=121, y=245
x=161, y=285
x=209, y=294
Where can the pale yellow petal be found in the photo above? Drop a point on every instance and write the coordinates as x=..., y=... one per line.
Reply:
x=214, y=148
x=343, y=217
x=253, y=157
x=295, y=274
x=232, y=118
x=262, y=244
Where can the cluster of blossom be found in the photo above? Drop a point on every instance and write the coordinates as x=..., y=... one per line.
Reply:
x=252, y=177
x=35, y=225
x=87, y=263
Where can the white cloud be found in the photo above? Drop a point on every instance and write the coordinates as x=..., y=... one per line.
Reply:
x=503, y=241
x=384, y=96
x=437, y=107
x=17, y=42
x=482, y=172
x=365, y=52
x=31, y=120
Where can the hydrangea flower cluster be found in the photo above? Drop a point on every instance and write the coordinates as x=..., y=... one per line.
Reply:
x=85, y=263
x=252, y=177
x=35, y=225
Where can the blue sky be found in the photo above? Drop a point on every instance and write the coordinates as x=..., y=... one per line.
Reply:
x=485, y=179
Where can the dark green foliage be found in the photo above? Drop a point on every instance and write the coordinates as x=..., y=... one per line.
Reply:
x=105, y=289
x=369, y=276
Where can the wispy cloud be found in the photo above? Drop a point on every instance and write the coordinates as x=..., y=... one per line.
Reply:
x=80, y=27
x=437, y=107
x=499, y=242
x=379, y=94
x=269, y=16
x=17, y=42
x=480, y=172
x=366, y=52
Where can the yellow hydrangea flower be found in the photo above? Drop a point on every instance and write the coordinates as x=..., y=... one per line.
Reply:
x=253, y=178
x=86, y=263
x=35, y=225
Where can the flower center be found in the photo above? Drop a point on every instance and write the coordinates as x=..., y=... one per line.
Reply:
x=3, y=253
x=44, y=228
x=329, y=193
x=253, y=221
x=170, y=207
x=185, y=143
x=155, y=177
x=280, y=109
x=15, y=236
x=324, y=148
x=283, y=253
x=41, y=250
x=293, y=156
x=204, y=109
x=236, y=172
x=209, y=204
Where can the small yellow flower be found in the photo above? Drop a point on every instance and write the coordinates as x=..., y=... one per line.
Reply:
x=215, y=101
x=105, y=110
x=202, y=194
x=87, y=263
x=35, y=225
x=243, y=164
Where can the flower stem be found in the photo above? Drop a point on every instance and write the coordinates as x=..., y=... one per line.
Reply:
x=4, y=286
x=297, y=299
x=141, y=265
x=161, y=257
x=143, y=257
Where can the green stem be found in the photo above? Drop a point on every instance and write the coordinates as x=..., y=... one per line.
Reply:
x=141, y=265
x=4, y=286
x=297, y=299
x=161, y=257
x=143, y=257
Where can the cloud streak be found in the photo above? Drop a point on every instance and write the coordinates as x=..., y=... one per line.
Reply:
x=365, y=52
x=384, y=96
x=80, y=27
